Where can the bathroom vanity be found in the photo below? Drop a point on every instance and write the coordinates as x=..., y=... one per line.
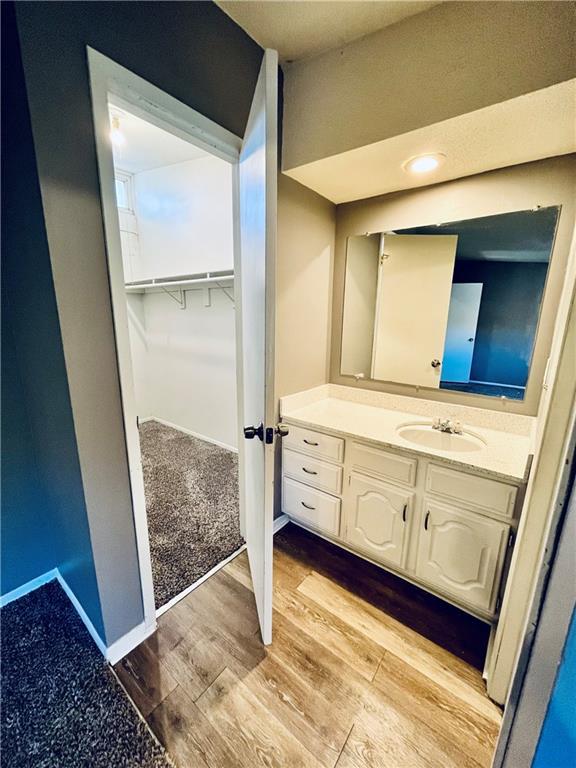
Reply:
x=367, y=471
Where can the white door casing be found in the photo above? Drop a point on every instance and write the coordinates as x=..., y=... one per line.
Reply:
x=461, y=331
x=257, y=185
x=413, y=297
x=379, y=519
x=461, y=553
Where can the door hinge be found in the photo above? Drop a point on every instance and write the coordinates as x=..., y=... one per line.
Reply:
x=511, y=537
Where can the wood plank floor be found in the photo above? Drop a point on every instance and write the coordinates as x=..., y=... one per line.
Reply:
x=364, y=671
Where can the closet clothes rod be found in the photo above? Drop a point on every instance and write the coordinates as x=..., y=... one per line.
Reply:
x=183, y=281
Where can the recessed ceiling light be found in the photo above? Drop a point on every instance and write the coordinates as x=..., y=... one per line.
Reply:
x=424, y=163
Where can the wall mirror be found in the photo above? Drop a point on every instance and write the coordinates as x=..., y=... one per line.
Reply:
x=453, y=306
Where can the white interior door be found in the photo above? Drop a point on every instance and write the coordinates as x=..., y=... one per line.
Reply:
x=414, y=282
x=257, y=181
x=461, y=332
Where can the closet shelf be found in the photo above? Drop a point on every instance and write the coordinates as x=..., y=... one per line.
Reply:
x=224, y=277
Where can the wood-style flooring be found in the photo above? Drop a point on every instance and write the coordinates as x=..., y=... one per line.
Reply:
x=359, y=674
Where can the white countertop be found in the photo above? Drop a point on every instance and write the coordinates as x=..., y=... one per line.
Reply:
x=505, y=454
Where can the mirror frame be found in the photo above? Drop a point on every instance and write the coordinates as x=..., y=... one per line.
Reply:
x=403, y=210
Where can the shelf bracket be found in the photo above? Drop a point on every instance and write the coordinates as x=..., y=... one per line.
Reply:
x=179, y=296
x=225, y=292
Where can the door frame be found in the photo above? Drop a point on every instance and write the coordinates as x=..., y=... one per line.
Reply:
x=110, y=80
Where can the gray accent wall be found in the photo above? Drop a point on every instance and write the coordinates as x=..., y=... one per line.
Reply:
x=44, y=516
x=194, y=52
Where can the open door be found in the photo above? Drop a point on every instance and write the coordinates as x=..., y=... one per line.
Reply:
x=257, y=185
x=461, y=332
x=413, y=296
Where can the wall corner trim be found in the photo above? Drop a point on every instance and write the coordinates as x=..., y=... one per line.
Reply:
x=128, y=642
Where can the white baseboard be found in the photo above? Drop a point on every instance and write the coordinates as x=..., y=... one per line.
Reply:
x=30, y=586
x=82, y=613
x=280, y=522
x=189, y=432
x=119, y=648
x=112, y=653
x=494, y=384
x=197, y=583
x=128, y=642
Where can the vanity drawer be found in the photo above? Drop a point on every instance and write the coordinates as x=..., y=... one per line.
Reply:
x=477, y=493
x=315, y=508
x=314, y=443
x=320, y=474
x=402, y=469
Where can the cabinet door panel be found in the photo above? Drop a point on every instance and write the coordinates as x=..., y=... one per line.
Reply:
x=462, y=554
x=378, y=519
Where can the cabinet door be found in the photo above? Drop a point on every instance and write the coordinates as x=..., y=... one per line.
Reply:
x=378, y=519
x=462, y=554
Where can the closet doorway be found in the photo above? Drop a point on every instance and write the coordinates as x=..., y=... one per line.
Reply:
x=190, y=223
x=175, y=211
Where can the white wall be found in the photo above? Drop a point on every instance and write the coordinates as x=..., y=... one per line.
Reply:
x=183, y=360
x=184, y=216
x=190, y=365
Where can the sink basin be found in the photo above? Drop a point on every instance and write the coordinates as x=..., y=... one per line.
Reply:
x=423, y=435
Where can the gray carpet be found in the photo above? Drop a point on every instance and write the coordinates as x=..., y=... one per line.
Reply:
x=191, y=489
x=62, y=706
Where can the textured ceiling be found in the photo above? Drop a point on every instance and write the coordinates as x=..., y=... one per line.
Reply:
x=302, y=28
x=530, y=127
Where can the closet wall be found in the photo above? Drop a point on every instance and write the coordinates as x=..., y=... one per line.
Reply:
x=184, y=357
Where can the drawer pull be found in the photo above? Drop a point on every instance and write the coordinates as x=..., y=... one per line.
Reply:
x=311, y=442
x=426, y=520
x=309, y=471
x=308, y=506
x=404, y=513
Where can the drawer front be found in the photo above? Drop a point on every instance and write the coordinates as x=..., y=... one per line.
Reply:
x=320, y=474
x=462, y=554
x=314, y=443
x=402, y=469
x=477, y=493
x=315, y=508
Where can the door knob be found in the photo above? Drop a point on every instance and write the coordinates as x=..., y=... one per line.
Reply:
x=435, y=363
x=251, y=432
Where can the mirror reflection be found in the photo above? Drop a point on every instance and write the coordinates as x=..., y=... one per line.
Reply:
x=450, y=306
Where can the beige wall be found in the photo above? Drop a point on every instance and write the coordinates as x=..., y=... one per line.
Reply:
x=305, y=257
x=360, y=304
x=545, y=183
x=200, y=57
x=453, y=59
x=306, y=226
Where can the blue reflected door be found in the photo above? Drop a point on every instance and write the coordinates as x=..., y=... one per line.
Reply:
x=461, y=331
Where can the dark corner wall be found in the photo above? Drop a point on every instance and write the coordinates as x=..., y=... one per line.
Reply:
x=44, y=522
x=508, y=318
x=57, y=274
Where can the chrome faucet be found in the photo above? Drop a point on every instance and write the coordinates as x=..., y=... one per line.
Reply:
x=447, y=425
